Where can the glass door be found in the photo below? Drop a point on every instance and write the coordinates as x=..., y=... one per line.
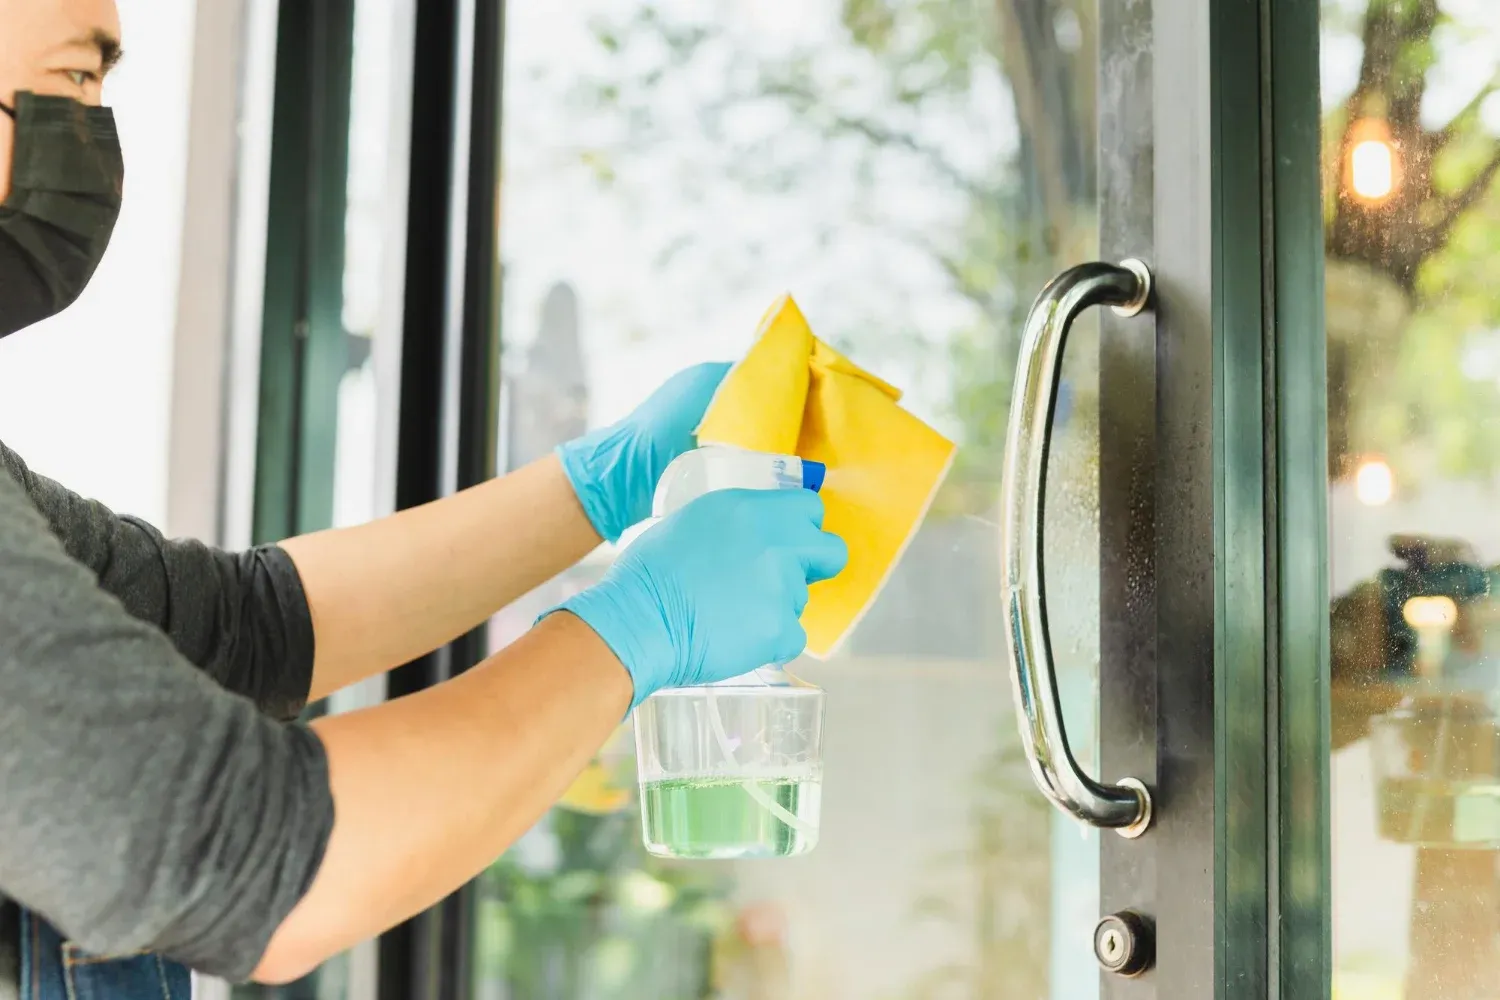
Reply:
x=915, y=174
x=912, y=174
x=1411, y=140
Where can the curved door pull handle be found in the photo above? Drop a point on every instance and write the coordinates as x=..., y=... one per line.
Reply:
x=1124, y=807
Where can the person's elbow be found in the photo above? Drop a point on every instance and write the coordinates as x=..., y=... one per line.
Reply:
x=281, y=967
x=305, y=940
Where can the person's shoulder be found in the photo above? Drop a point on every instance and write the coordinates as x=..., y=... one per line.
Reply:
x=16, y=507
x=14, y=468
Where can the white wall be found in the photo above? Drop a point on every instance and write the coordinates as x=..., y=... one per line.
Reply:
x=85, y=397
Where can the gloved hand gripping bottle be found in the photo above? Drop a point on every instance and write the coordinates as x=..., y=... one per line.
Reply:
x=733, y=769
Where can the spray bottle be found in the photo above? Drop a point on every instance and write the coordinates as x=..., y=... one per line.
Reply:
x=733, y=769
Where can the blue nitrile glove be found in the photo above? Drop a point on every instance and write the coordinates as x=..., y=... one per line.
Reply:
x=614, y=470
x=714, y=590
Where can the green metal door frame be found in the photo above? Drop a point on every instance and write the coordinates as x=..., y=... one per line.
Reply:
x=303, y=347
x=304, y=352
x=1299, y=700
x=1272, y=688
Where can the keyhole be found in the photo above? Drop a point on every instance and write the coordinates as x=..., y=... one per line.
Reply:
x=1122, y=944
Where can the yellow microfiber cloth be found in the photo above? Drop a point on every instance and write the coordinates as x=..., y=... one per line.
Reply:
x=792, y=394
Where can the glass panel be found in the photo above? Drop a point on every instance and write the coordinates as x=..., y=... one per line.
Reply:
x=912, y=173
x=1414, y=440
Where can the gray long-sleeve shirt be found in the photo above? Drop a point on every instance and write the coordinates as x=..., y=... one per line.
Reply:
x=152, y=793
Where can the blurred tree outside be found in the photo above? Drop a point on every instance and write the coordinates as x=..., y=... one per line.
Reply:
x=1413, y=272
x=1409, y=273
x=1023, y=70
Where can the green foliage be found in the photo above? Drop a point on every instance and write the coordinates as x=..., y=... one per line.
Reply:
x=599, y=919
x=1436, y=407
x=926, y=46
x=923, y=58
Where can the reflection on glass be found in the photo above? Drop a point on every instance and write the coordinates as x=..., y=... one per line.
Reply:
x=1410, y=152
x=913, y=173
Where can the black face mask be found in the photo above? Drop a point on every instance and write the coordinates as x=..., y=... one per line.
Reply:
x=66, y=180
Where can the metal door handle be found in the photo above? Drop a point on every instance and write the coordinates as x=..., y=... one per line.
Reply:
x=1126, y=806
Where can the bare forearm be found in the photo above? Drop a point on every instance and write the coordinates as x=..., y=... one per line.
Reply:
x=384, y=593
x=430, y=789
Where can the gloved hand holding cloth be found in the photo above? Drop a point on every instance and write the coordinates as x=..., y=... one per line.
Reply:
x=718, y=588
x=795, y=395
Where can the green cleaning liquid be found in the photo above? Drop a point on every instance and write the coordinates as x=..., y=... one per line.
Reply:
x=726, y=819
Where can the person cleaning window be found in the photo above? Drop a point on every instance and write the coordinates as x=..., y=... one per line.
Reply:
x=159, y=810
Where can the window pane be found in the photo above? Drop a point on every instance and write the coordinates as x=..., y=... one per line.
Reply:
x=912, y=174
x=1410, y=149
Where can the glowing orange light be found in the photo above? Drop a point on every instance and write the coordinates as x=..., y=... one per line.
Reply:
x=1373, y=166
x=1374, y=483
x=1372, y=171
x=1430, y=612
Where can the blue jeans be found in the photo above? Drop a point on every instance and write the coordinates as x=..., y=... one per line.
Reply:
x=55, y=969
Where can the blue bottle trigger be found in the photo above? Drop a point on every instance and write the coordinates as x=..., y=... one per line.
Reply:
x=812, y=475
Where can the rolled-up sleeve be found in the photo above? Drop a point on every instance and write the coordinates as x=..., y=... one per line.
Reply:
x=145, y=806
x=241, y=617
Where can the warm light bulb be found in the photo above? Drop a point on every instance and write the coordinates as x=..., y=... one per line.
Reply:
x=1374, y=483
x=1430, y=612
x=1372, y=166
